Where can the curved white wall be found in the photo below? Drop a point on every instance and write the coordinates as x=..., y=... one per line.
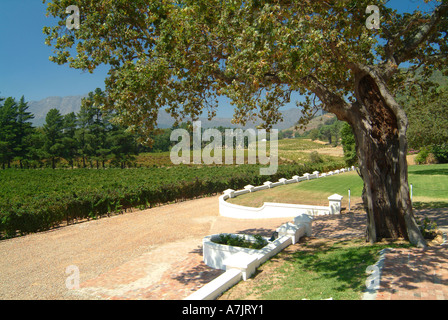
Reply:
x=279, y=210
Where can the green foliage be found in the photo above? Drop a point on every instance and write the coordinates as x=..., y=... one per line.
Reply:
x=53, y=127
x=34, y=200
x=440, y=152
x=186, y=55
x=349, y=145
x=433, y=154
x=239, y=241
x=427, y=227
x=89, y=136
x=421, y=156
x=425, y=103
x=329, y=131
x=15, y=132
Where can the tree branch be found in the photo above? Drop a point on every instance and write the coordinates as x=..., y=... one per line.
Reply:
x=332, y=102
x=424, y=31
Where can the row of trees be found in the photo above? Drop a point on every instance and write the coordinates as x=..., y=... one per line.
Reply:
x=88, y=138
x=15, y=131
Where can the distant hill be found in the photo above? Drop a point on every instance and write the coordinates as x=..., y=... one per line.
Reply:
x=290, y=117
x=314, y=123
x=65, y=105
x=73, y=104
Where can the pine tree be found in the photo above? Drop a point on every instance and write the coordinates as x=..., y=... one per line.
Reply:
x=69, y=141
x=8, y=131
x=123, y=146
x=23, y=128
x=53, y=130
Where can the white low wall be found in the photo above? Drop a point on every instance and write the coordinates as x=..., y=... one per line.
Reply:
x=216, y=254
x=241, y=263
x=279, y=210
x=268, y=210
x=216, y=287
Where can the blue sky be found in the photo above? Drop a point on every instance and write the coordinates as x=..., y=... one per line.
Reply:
x=24, y=65
x=26, y=70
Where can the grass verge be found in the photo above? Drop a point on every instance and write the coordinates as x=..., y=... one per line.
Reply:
x=429, y=182
x=314, y=269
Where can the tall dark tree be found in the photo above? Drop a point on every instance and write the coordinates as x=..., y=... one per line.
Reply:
x=8, y=131
x=84, y=136
x=123, y=146
x=184, y=54
x=53, y=131
x=36, y=151
x=69, y=141
x=98, y=126
x=24, y=129
x=348, y=145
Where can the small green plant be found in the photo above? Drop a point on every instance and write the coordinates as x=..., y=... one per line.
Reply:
x=427, y=228
x=239, y=241
x=422, y=155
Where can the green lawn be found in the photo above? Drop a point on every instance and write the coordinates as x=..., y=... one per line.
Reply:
x=429, y=182
x=315, y=270
x=313, y=192
x=429, y=185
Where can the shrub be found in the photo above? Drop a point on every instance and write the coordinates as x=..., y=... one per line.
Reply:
x=349, y=145
x=238, y=241
x=427, y=228
x=431, y=159
x=441, y=153
x=433, y=154
x=422, y=155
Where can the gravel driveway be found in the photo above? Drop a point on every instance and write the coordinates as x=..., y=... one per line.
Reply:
x=34, y=266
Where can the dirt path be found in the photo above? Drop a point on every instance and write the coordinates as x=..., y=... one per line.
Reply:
x=147, y=242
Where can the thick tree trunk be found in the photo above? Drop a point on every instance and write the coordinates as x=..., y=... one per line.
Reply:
x=380, y=133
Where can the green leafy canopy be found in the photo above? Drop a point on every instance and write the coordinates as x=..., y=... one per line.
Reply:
x=185, y=54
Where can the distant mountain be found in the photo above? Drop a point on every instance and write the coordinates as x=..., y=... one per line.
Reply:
x=290, y=117
x=73, y=104
x=65, y=105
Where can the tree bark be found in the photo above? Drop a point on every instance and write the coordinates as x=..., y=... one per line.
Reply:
x=380, y=132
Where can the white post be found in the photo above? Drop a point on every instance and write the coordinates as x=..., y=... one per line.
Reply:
x=411, y=193
x=335, y=203
x=230, y=193
x=348, y=200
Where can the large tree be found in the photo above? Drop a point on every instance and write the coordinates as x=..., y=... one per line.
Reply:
x=184, y=54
